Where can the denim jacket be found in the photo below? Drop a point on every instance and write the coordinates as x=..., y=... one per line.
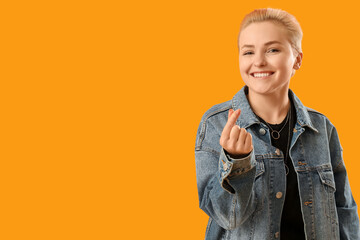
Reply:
x=241, y=196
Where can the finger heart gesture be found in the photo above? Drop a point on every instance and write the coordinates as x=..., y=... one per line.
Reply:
x=235, y=140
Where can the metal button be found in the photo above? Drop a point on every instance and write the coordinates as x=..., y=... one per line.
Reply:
x=279, y=194
x=262, y=131
x=294, y=130
x=225, y=166
x=301, y=163
x=277, y=151
x=277, y=234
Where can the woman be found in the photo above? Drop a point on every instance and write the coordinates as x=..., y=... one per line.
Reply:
x=267, y=166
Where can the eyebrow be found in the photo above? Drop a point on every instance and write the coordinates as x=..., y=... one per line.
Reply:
x=266, y=44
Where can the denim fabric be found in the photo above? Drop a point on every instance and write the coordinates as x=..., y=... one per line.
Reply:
x=240, y=195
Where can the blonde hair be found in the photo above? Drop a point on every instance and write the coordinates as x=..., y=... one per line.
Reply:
x=278, y=16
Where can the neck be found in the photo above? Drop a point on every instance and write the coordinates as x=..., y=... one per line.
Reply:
x=272, y=108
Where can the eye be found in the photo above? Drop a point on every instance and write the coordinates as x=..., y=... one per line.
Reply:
x=273, y=50
x=247, y=53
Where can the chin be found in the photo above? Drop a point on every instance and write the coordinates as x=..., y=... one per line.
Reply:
x=263, y=92
x=260, y=89
x=266, y=89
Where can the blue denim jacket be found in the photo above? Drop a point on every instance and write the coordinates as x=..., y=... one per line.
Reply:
x=240, y=195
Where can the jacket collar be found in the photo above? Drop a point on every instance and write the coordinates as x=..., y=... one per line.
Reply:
x=248, y=118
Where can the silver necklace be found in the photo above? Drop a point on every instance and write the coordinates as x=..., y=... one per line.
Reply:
x=274, y=133
x=278, y=136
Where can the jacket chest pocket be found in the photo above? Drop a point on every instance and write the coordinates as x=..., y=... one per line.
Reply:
x=327, y=179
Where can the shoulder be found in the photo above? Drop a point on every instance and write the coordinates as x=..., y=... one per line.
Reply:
x=310, y=110
x=318, y=116
x=322, y=123
x=315, y=113
x=217, y=109
x=309, y=116
x=211, y=126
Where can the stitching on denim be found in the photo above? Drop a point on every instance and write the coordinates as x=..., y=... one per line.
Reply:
x=261, y=168
x=269, y=156
x=209, y=150
x=208, y=227
x=341, y=159
x=314, y=111
x=314, y=168
x=203, y=128
x=202, y=135
x=329, y=182
x=312, y=209
x=309, y=126
x=233, y=217
x=259, y=200
x=331, y=132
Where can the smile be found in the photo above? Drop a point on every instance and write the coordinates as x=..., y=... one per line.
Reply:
x=261, y=75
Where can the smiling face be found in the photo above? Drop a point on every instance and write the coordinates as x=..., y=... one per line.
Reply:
x=266, y=58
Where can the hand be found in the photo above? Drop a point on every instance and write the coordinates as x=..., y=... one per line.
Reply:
x=235, y=140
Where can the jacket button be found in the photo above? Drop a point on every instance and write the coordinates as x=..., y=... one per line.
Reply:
x=262, y=131
x=279, y=194
x=277, y=151
x=277, y=234
x=225, y=166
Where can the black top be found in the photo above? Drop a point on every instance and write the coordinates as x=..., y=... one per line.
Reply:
x=292, y=224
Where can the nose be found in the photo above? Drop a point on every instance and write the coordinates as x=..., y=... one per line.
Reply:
x=259, y=60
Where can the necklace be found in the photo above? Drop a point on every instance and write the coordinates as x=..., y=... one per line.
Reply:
x=274, y=133
x=288, y=118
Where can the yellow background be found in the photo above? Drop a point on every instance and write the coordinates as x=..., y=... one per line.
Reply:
x=101, y=101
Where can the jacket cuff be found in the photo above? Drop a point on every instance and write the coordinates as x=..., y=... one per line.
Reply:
x=229, y=167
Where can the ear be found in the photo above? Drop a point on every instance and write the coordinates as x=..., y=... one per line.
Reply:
x=298, y=61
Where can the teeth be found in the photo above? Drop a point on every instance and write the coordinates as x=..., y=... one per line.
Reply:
x=259, y=75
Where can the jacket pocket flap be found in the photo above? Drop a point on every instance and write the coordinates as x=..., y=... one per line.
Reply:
x=327, y=177
x=260, y=169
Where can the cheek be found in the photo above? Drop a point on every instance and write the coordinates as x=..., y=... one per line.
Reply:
x=242, y=68
x=285, y=65
x=244, y=65
x=243, y=71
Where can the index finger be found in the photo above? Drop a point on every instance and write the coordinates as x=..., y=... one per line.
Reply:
x=231, y=122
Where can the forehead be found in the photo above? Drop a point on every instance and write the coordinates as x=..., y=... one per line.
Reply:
x=263, y=32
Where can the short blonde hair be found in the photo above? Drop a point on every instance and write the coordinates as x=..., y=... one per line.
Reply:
x=279, y=16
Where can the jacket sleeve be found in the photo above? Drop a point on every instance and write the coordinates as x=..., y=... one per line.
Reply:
x=225, y=185
x=345, y=203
